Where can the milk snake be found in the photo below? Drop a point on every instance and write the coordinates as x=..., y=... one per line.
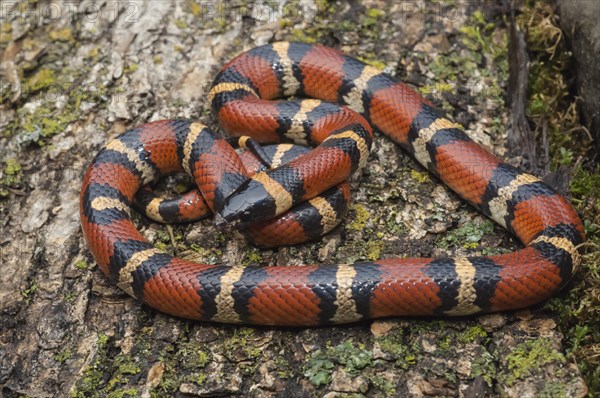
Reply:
x=244, y=98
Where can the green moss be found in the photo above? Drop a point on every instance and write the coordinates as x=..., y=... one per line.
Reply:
x=406, y=353
x=318, y=369
x=445, y=70
x=92, y=54
x=354, y=358
x=63, y=355
x=419, y=176
x=200, y=379
x=252, y=256
x=194, y=8
x=240, y=348
x=122, y=367
x=585, y=185
x=484, y=365
x=528, y=357
x=125, y=366
x=476, y=34
x=12, y=170
x=171, y=379
x=88, y=385
x=163, y=236
x=44, y=78
x=553, y=389
x=444, y=342
x=374, y=248
x=467, y=235
x=218, y=16
x=102, y=340
x=5, y=38
x=320, y=365
x=579, y=308
x=93, y=375
x=375, y=13
x=210, y=255
x=429, y=89
x=130, y=392
x=11, y=176
x=119, y=375
x=6, y=27
x=471, y=334
x=550, y=105
x=221, y=25
x=51, y=126
x=316, y=31
x=309, y=35
x=192, y=356
x=450, y=376
x=383, y=384
x=29, y=292
x=371, y=22
x=47, y=120
x=81, y=265
x=110, y=375
x=283, y=369
x=580, y=334
x=371, y=243
x=64, y=35
x=372, y=59
x=479, y=47
x=70, y=297
x=129, y=69
x=168, y=384
x=361, y=216
x=368, y=24
x=181, y=24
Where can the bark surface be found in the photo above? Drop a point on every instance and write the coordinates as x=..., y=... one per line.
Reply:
x=73, y=80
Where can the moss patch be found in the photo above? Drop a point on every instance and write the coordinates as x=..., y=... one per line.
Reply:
x=41, y=80
x=404, y=350
x=63, y=355
x=484, y=365
x=64, y=35
x=93, y=376
x=383, y=384
x=579, y=308
x=81, y=265
x=360, y=218
x=550, y=103
x=321, y=364
x=29, y=292
x=467, y=235
x=552, y=106
x=11, y=176
x=528, y=357
x=53, y=96
x=480, y=66
x=239, y=346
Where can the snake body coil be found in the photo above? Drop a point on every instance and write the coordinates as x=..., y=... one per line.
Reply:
x=243, y=98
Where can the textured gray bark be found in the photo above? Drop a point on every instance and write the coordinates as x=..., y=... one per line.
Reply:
x=65, y=330
x=579, y=19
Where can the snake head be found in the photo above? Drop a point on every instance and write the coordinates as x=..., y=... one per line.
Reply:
x=248, y=204
x=222, y=224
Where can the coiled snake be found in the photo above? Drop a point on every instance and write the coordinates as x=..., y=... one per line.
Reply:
x=250, y=193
